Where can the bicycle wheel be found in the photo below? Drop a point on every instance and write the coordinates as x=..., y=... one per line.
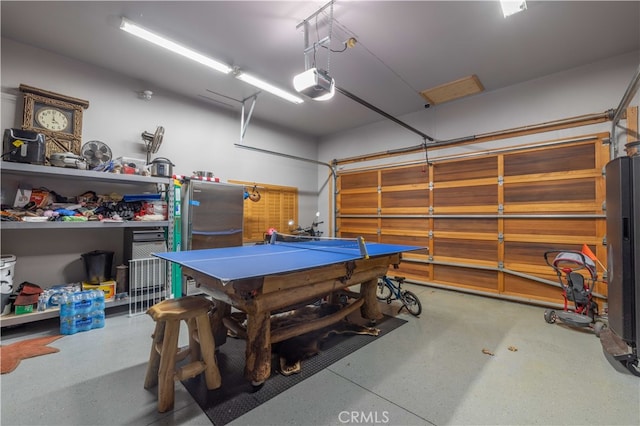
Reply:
x=383, y=292
x=412, y=303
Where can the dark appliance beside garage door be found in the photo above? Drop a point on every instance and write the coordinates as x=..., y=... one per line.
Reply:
x=622, y=339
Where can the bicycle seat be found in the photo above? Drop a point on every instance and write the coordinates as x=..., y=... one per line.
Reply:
x=399, y=279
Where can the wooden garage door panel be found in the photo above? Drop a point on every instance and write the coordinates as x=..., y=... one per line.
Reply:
x=360, y=223
x=405, y=199
x=359, y=180
x=551, y=191
x=465, y=169
x=564, y=158
x=532, y=253
x=465, y=249
x=409, y=240
x=574, y=227
x=405, y=176
x=519, y=286
x=550, y=180
x=367, y=237
x=405, y=225
x=466, y=225
x=467, y=277
x=480, y=195
x=359, y=203
x=415, y=271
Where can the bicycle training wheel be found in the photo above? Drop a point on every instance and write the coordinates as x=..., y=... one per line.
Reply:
x=412, y=303
x=383, y=292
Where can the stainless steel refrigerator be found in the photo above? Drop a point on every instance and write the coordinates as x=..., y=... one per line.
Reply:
x=212, y=214
x=622, y=338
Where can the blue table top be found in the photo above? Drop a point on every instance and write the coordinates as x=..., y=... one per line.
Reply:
x=234, y=263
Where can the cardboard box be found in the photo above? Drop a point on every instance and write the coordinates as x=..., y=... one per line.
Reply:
x=108, y=287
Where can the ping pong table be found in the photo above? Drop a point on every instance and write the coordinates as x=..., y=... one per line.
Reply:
x=261, y=279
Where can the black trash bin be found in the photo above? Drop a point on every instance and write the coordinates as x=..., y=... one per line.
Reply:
x=98, y=265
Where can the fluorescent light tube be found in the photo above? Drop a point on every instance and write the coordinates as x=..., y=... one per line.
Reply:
x=158, y=40
x=510, y=7
x=261, y=84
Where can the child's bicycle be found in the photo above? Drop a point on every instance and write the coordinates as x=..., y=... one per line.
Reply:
x=389, y=291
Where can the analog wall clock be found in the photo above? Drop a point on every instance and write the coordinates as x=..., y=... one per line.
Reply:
x=58, y=117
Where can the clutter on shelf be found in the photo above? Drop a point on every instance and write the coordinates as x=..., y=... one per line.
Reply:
x=42, y=204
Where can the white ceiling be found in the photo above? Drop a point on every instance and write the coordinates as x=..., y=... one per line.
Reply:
x=403, y=47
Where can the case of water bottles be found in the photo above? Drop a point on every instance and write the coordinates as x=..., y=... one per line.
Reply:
x=81, y=311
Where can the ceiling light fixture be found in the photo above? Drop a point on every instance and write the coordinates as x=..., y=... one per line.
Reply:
x=143, y=33
x=510, y=7
x=315, y=82
x=261, y=84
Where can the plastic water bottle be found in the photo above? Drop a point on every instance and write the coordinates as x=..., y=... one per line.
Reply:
x=98, y=303
x=85, y=302
x=84, y=322
x=42, y=302
x=98, y=318
x=69, y=324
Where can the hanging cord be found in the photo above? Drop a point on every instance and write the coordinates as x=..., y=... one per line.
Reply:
x=348, y=31
x=426, y=151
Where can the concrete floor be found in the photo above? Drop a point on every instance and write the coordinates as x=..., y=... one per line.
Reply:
x=431, y=371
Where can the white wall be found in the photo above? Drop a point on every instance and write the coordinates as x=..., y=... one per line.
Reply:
x=198, y=136
x=594, y=88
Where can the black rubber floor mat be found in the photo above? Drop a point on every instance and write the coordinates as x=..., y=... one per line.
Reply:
x=236, y=396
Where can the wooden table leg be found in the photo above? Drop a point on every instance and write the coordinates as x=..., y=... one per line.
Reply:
x=218, y=328
x=258, y=352
x=370, y=309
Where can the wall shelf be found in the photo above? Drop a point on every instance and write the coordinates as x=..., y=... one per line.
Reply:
x=8, y=167
x=83, y=225
x=13, y=319
x=14, y=174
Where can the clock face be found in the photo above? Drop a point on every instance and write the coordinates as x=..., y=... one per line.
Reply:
x=52, y=119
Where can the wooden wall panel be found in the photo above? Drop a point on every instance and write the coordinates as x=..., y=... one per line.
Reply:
x=277, y=206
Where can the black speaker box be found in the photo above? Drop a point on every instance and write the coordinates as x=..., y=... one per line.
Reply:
x=23, y=146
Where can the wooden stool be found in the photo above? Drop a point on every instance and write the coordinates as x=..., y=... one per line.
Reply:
x=165, y=353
